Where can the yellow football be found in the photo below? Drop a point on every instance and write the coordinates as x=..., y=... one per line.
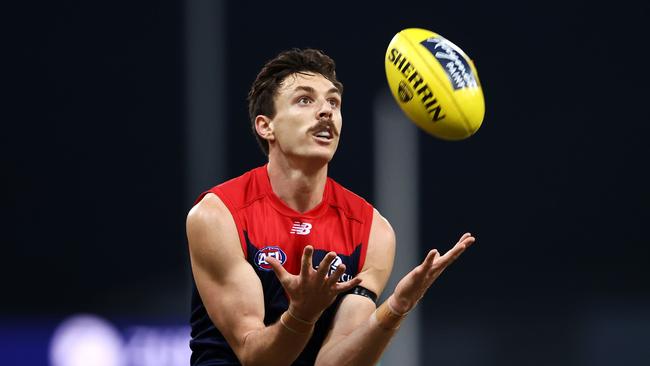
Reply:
x=435, y=83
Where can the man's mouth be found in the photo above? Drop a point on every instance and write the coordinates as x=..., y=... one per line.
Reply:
x=324, y=134
x=324, y=130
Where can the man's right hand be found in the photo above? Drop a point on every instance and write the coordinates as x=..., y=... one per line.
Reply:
x=415, y=284
x=312, y=291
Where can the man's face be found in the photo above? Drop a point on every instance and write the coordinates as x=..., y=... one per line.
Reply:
x=307, y=121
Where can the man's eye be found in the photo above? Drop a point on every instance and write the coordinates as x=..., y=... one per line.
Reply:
x=334, y=103
x=304, y=100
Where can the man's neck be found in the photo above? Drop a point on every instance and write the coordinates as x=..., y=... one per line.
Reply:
x=298, y=184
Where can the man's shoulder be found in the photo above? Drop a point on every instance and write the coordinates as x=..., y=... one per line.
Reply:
x=235, y=192
x=240, y=182
x=342, y=192
x=351, y=203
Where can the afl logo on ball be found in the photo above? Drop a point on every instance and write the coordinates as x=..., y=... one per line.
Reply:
x=262, y=254
x=404, y=91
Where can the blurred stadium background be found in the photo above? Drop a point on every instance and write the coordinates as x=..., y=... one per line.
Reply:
x=118, y=114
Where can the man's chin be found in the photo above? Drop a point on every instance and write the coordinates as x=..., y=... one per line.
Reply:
x=316, y=157
x=320, y=158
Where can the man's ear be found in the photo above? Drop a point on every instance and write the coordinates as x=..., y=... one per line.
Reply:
x=264, y=127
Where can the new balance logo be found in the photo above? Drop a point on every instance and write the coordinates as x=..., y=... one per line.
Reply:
x=300, y=228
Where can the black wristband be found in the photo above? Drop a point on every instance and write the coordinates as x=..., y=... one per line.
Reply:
x=362, y=291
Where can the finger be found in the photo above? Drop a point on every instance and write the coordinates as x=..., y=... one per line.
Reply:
x=325, y=264
x=306, y=264
x=469, y=241
x=436, y=257
x=348, y=285
x=278, y=269
x=434, y=267
x=452, y=254
x=464, y=236
x=430, y=258
x=456, y=251
x=334, y=277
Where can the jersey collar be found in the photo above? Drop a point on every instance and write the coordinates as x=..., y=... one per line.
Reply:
x=262, y=177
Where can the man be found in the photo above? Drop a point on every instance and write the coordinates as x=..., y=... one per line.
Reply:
x=288, y=264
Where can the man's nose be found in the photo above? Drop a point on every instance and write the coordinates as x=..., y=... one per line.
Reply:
x=325, y=110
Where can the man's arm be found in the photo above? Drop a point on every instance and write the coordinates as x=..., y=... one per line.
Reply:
x=233, y=295
x=361, y=332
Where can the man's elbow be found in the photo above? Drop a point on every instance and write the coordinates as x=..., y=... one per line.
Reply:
x=245, y=351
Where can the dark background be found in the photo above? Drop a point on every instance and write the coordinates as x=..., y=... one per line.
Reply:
x=554, y=185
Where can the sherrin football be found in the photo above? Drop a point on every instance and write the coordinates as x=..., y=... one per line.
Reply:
x=435, y=83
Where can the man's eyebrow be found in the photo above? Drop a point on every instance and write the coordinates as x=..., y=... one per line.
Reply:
x=334, y=90
x=309, y=89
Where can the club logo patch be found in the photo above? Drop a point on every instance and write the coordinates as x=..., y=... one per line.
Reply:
x=262, y=254
x=335, y=264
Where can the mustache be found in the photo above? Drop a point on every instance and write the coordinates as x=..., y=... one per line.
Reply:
x=323, y=124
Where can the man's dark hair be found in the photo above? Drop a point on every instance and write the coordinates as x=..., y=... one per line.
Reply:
x=265, y=86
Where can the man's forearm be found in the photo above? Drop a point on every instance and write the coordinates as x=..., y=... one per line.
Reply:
x=278, y=344
x=365, y=345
